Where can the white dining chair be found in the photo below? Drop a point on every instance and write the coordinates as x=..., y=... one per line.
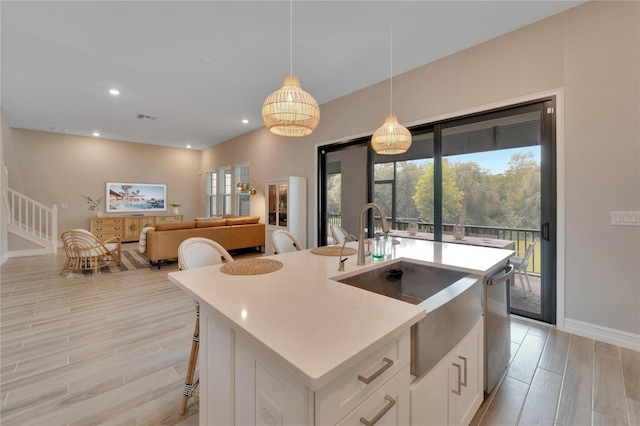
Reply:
x=197, y=252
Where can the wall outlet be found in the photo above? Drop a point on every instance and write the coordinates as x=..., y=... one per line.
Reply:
x=625, y=218
x=269, y=413
x=64, y=206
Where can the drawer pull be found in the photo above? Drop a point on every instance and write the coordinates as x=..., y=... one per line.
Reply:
x=387, y=364
x=459, y=391
x=464, y=381
x=390, y=403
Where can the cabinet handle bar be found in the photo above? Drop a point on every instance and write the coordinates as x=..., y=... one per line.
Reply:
x=387, y=364
x=390, y=403
x=464, y=381
x=459, y=391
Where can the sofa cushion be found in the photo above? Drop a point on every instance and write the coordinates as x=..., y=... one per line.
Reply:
x=210, y=223
x=176, y=225
x=243, y=220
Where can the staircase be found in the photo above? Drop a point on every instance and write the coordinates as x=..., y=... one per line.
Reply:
x=31, y=221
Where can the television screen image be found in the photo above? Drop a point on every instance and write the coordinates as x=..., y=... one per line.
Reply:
x=135, y=197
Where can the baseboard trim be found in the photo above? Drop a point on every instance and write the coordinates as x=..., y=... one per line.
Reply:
x=603, y=334
x=25, y=253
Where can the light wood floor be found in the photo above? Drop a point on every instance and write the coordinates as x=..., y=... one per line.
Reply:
x=112, y=349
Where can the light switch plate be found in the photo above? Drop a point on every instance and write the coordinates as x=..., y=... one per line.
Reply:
x=625, y=218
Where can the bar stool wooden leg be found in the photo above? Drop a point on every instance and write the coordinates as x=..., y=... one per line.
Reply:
x=190, y=385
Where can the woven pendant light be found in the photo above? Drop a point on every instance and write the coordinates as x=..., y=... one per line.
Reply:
x=290, y=111
x=392, y=137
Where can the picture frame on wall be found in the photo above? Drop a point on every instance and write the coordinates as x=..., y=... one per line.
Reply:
x=135, y=197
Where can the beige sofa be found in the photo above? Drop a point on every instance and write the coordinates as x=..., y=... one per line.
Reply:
x=231, y=233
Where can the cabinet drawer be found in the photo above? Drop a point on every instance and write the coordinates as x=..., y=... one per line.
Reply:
x=107, y=221
x=342, y=395
x=389, y=405
x=107, y=228
x=105, y=236
x=169, y=219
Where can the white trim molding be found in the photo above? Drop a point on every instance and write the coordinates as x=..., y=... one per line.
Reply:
x=603, y=334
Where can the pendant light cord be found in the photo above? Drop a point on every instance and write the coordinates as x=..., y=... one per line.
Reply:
x=291, y=37
x=391, y=69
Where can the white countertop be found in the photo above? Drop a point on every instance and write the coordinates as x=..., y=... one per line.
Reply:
x=317, y=326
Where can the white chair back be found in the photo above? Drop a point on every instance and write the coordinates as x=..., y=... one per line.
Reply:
x=197, y=252
x=284, y=242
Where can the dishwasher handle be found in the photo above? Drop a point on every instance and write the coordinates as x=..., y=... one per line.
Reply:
x=507, y=274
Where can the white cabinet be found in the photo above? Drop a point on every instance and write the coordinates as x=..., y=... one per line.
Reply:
x=451, y=393
x=243, y=382
x=286, y=208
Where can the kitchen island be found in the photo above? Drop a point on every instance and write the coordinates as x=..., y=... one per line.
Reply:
x=282, y=347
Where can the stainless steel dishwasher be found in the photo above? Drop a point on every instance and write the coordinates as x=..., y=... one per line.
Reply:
x=497, y=327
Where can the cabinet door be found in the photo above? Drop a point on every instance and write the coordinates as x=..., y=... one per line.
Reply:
x=430, y=398
x=283, y=203
x=133, y=226
x=272, y=205
x=388, y=406
x=469, y=358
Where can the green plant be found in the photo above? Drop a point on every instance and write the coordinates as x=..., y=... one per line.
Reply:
x=93, y=204
x=175, y=204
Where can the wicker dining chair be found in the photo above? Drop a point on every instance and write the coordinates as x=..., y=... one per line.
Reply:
x=284, y=242
x=194, y=253
x=85, y=252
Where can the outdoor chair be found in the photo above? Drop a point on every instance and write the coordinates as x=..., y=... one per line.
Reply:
x=194, y=253
x=521, y=263
x=85, y=252
x=284, y=242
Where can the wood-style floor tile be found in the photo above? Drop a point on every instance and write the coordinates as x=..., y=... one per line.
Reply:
x=542, y=400
x=608, y=389
x=576, y=397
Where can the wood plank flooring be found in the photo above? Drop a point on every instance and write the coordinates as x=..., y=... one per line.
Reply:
x=555, y=378
x=112, y=349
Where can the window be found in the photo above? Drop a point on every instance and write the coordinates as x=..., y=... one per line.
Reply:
x=242, y=197
x=226, y=206
x=212, y=189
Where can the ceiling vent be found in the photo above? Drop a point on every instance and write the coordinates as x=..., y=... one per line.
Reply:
x=142, y=116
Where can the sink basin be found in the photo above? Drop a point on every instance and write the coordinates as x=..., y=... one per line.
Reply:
x=407, y=281
x=452, y=301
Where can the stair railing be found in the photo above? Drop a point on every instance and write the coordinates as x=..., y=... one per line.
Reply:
x=33, y=218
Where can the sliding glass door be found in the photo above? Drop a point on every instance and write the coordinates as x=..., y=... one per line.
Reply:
x=486, y=178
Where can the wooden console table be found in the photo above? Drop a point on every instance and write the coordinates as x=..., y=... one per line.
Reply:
x=127, y=227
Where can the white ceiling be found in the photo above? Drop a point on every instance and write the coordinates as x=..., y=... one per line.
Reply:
x=200, y=67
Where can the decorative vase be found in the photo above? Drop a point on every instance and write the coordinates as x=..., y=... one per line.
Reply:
x=176, y=211
x=99, y=214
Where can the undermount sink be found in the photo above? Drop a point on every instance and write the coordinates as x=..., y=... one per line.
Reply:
x=452, y=301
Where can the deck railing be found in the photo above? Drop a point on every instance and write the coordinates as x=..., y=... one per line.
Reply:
x=520, y=236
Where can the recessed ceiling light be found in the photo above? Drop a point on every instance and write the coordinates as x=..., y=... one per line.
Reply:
x=96, y=134
x=188, y=146
x=245, y=121
x=114, y=92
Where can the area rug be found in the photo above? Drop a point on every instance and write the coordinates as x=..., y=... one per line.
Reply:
x=131, y=259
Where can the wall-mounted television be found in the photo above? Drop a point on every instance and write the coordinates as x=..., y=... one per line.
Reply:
x=136, y=197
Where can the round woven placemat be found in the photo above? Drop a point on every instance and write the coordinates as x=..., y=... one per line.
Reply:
x=251, y=267
x=333, y=251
